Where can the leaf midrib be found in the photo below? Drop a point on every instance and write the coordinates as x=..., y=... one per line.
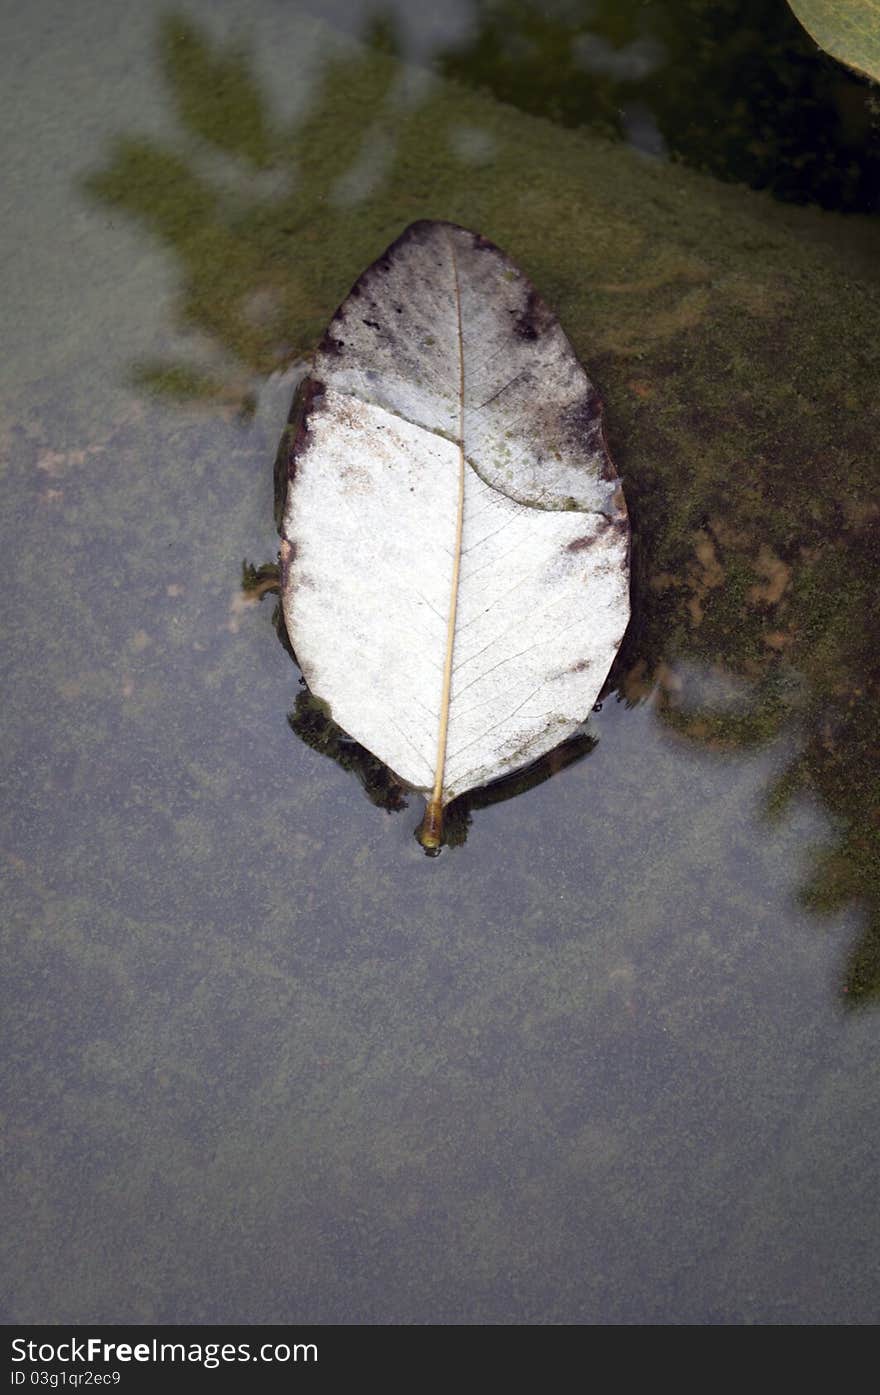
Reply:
x=436, y=804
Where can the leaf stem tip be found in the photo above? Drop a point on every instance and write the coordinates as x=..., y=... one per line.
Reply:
x=430, y=830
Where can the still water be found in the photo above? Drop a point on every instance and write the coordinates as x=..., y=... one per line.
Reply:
x=612, y=1057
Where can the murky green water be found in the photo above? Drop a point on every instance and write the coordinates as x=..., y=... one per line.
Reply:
x=611, y=1058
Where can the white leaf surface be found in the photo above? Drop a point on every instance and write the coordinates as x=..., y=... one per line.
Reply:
x=455, y=543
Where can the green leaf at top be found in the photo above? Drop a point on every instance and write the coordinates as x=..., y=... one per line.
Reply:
x=847, y=29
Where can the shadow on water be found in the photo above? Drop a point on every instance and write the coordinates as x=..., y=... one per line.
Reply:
x=734, y=87
x=756, y=610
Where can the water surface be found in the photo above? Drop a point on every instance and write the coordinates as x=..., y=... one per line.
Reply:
x=612, y=1058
